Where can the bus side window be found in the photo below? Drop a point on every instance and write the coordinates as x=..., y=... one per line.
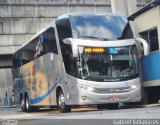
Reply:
x=151, y=36
x=50, y=41
x=64, y=31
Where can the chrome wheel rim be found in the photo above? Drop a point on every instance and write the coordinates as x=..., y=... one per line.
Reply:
x=22, y=103
x=27, y=104
x=61, y=101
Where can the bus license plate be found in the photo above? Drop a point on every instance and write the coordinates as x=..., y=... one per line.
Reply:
x=113, y=98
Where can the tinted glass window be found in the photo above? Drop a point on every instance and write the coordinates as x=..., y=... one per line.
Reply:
x=108, y=64
x=64, y=31
x=100, y=27
x=41, y=45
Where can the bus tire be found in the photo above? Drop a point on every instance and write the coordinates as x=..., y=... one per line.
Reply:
x=62, y=107
x=27, y=105
x=144, y=99
x=22, y=104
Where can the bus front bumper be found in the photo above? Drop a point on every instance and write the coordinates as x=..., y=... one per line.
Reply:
x=88, y=98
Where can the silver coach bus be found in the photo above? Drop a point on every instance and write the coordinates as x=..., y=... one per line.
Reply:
x=78, y=59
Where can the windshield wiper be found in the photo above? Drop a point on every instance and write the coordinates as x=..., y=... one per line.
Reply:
x=89, y=37
x=93, y=37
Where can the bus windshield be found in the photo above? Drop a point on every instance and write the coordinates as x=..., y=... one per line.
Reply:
x=108, y=64
x=103, y=27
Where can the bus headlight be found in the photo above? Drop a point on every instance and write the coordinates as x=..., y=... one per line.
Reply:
x=91, y=89
x=88, y=88
x=134, y=86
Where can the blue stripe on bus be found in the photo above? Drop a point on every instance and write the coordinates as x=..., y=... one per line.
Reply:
x=41, y=98
x=151, y=66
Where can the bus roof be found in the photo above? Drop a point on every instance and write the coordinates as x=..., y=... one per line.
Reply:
x=35, y=35
x=65, y=16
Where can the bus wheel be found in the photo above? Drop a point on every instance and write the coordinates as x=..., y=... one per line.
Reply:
x=27, y=105
x=23, y=105
x=144, y=99
x=61, y=103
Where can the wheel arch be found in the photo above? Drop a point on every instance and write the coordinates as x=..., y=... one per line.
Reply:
x=21, y=96
x=25, y=94
x=59, y=89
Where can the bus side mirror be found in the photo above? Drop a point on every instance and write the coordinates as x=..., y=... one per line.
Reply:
x=73, y=44
x=145, y=45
